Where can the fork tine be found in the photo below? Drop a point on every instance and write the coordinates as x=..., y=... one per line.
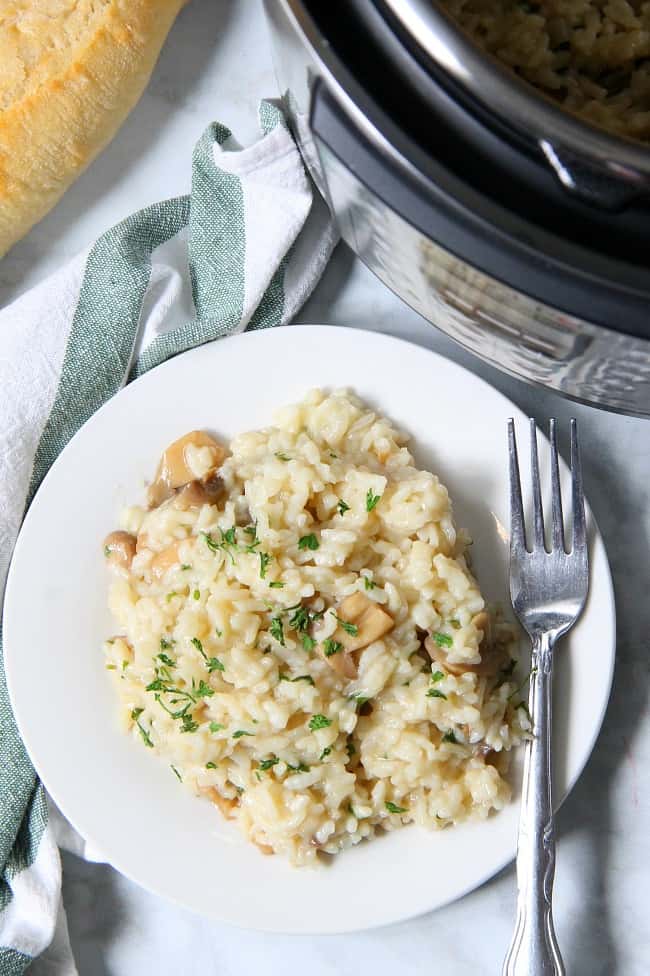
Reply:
x=538, y=515
x=579, y=524
x=517, y=529
x=556, y=493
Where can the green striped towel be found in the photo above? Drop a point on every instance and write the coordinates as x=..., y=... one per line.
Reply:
x=242, y=251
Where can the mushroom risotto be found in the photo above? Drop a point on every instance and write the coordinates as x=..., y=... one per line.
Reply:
x=301, y=638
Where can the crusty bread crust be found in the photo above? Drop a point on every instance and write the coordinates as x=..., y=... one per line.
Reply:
x=47, y=137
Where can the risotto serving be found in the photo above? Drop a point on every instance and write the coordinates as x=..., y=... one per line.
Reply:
x=301, y=638
x=591, y=56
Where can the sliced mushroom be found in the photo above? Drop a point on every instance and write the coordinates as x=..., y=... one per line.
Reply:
x=369, y=621
x=197, y=493
x=264, y=848
x=119, y=549
x=225, y=805
x=175, y=470
x=494, y=657
x=164, y=560
x=343, y=662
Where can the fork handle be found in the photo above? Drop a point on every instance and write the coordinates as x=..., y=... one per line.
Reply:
x=534, y=950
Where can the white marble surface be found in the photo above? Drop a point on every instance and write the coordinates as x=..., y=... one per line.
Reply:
x=217, y=65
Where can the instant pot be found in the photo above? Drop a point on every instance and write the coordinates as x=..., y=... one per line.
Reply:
x=515, y=228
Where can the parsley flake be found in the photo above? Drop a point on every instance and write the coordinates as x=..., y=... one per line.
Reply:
x=349, y=628
x=276, y=584
x=450, y=736
x=240, y=732
x=177, y=774
x=437, y=676
x=308, y=542
x=197, y=594
x=277, y=630
x=146, y=738
x=269, y=763
x=368, y=583
x=343, y=507
x=393, y=808
x=371, y=500
x=188, y=723
x=216, y=727
x=166, y=659
x=326, y=751
x=265, y=559
x=436, y=693
x=308, y=642
x=203, y=690
x=319, y=722
x=211, y=765
x=331, y=647
x=443, y=640
x=282, y=456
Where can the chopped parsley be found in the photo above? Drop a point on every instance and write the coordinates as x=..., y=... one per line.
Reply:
x=170, y=596
x=282, y=456
x=436, y=693
x=371, y=500
x=265, y=559
x=455, y=624
x=442, y=640
x=368, y=583
x=319, y=722
x=326, y=751
x=197, y=594
x=300, y=619
x=211, y=663
x=228, y=541
x=211, y=765
x=111, y=667
x=269, y=763
x=166, y=644
x=450, y=736
x=304, y=677
x=343, y=507
x=185, y=567
x=218, y=632
x=393, y=808
x=277, y=630
x=240, y=732
x=308, y=642
x=308, y=542
x=202, y=690
x=437, y=676
x=188, y=724
x=331, y=647
x=167, y=660
x=177, y=774
x=146, y=738
x=251, y=532
x=125, y=665
x=359, y=699
x=216, y=727
x=349, y=628
x=276, y=584
x=350, y=749
x=107, y=551
x=300, y=768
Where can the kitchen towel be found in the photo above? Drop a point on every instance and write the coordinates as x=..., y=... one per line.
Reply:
x=242, y=251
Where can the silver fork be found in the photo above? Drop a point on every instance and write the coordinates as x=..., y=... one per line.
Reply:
x=548, y=591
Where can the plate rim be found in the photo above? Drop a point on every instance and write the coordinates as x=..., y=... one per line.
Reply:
x=609, y=640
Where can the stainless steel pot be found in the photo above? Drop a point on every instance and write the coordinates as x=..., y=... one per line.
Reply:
x=516, y=229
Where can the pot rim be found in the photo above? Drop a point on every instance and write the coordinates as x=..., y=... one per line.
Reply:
x=556, y=131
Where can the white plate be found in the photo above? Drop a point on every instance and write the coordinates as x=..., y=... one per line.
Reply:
x=131, y=806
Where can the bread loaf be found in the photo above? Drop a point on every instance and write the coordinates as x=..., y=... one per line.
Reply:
x=70, y=72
